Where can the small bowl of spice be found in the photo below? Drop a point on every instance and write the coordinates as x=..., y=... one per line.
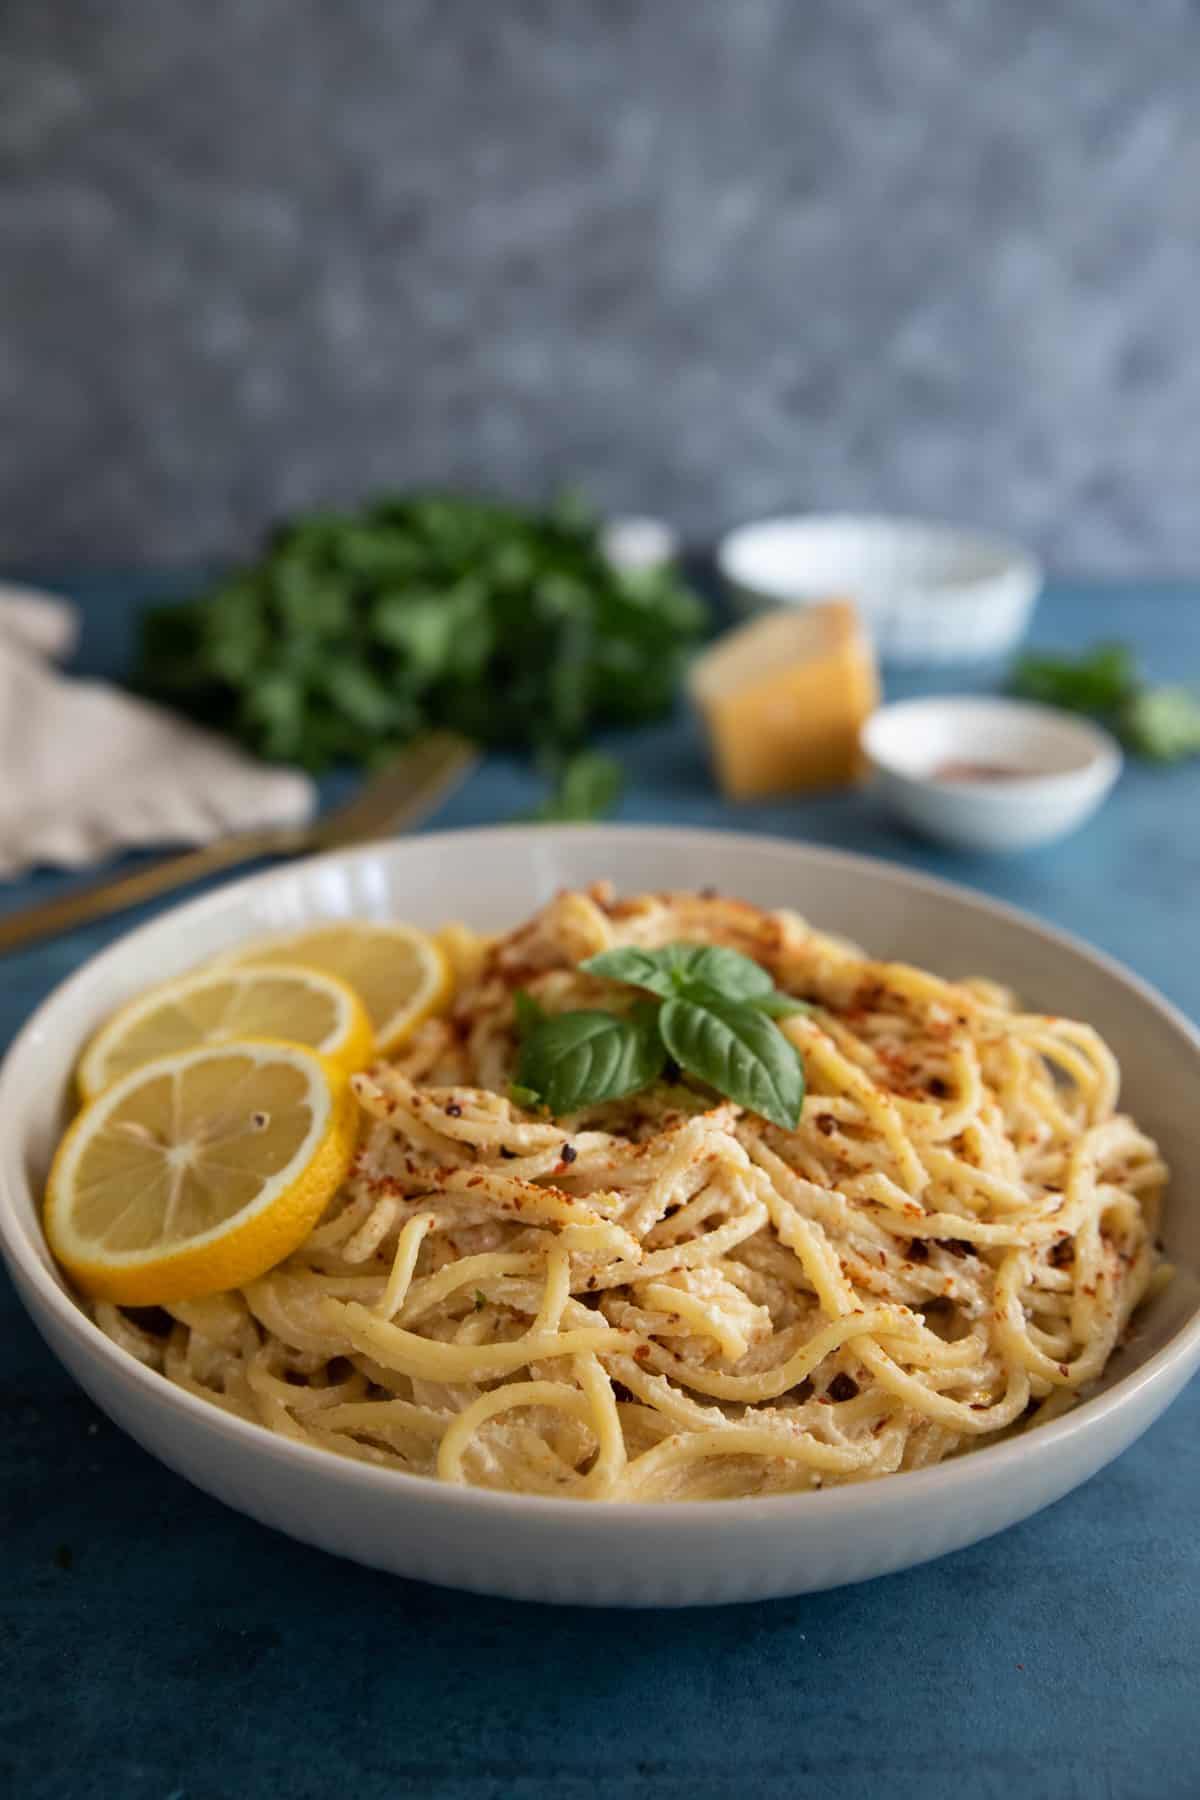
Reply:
x=989, y=774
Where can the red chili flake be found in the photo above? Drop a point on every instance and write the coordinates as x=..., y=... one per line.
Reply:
x=1062, y=1254
x=641, y=1353
x=918, y=1250
x=843, y=1387
x=1064, y=1370
x=591, y=1281
x=826, y=1124
x=568, y=1153
x=453, y=1110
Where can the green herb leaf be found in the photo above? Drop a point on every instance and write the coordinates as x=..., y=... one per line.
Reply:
x=580, y=1058
x=678, y=968
x=739, y=1051
x=480, y=1300
x=1162, y=723
x=1100, y=681
x=726, y=972
x=528, y=1011
x=586, y=786
x=777, y=1005
x=654, y=970
x=525, y=1097
x=509, y=625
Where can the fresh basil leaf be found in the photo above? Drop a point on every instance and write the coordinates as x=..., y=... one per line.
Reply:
x=696, y=970
x=577, y=1059
x=779, y=1006
x=726, y=972
x=654, y=970
x=740, y=1052
x=529, y=1012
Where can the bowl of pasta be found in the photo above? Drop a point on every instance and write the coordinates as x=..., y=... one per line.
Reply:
x=611, y=1216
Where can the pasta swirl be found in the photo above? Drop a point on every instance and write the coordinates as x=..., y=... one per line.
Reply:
x=667, y=1297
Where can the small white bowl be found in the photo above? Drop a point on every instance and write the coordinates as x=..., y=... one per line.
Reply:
x=989, y=774
x=926, y=592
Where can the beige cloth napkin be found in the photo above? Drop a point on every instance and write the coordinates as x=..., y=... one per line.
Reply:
x=87, y=770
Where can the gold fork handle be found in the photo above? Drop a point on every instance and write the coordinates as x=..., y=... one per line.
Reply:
x=120, y=891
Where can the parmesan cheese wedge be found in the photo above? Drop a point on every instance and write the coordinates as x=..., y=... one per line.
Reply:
x=784, y=697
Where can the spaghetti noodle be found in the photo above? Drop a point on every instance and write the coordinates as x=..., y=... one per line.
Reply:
x=666, y=1297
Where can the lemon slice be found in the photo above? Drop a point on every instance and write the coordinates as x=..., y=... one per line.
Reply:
x=401, y=974
x=199, y=1171
x=226, y=1006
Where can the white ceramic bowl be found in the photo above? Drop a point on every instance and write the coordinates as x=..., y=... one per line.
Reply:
x=535, y=1548
x=927, y=593
x=1061, y=769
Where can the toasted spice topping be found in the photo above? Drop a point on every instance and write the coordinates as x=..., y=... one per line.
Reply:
x=843, y=1387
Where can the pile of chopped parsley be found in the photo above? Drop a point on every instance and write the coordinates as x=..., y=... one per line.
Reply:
x=355, y=632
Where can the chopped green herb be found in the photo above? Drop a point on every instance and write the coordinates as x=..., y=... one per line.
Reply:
x=1161, y=723
x=526, y=1097
x=354, y=632
x=480, y=1300
x=1098, y=682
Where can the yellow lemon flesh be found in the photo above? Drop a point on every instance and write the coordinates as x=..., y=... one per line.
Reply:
x=225, y=1006
x=199, y=1171
x=401, y=974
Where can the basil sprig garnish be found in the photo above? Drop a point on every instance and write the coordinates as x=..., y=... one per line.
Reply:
x=579, y=1058
x=715, y=1020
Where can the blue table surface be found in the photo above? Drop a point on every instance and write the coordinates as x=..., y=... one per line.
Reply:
x=155, y=1646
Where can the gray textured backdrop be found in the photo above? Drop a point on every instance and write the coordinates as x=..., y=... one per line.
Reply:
x=708, y=257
